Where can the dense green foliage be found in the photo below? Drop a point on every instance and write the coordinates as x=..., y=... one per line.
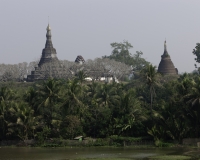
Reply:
x=162, y=107
x=122, y=54
x=196, y=52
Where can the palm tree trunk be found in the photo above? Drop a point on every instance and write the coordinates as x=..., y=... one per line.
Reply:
x=151, y=93
x=197, y=127
x=151, y=114
x=50, y=119
x=151, y=101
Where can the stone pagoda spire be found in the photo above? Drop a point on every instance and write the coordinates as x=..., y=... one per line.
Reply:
x=48, y=53
x=166, y=66
x=165, y=49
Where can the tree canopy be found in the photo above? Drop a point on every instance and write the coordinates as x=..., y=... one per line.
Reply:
x=121, y=53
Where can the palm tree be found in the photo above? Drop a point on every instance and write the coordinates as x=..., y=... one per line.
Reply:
x=107, y=95
x=3, y=118
x=194, y=94
x=81, y=75
x=6, y=97
x=6, y=94
x=129, y=111
x=193, y=99
x=72, y=98
x=185, y=84
x=150, y=75
x=24, y=124
x=49, y=97
x=92, y=89
x=31, y=97
x=170, y=121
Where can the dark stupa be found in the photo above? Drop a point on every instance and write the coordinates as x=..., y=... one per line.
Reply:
x=166, y=66
x=48, y=53
x=49, y=65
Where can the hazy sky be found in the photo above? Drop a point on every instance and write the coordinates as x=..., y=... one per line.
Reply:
x=87, y=27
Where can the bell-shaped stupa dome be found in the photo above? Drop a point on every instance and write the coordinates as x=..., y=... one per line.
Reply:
x=166, y=66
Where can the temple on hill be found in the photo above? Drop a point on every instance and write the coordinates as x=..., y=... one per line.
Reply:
x=166, y=66
x=49, y=65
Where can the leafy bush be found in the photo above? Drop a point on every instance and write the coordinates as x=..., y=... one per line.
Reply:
x=101, y=142
x=117, y=140
x=160, y=143
x=43, y=135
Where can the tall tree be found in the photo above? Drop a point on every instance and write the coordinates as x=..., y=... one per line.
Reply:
x=107, y=95
x=72, y=104
x=121, y=52
x=150, y=75
x=6, y=97
x=31, y=97
x=24, y=123
x=128, y=112
x=193, y=99
x=49, y=98
x=196, y=52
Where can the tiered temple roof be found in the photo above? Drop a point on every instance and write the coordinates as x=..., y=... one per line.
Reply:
x=79, y=59
x=49, y=65
x=48, y=53
x=166, y=66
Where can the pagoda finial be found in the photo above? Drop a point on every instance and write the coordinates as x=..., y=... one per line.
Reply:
x=165, y=45
x=48, y=27
x=165, y=54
